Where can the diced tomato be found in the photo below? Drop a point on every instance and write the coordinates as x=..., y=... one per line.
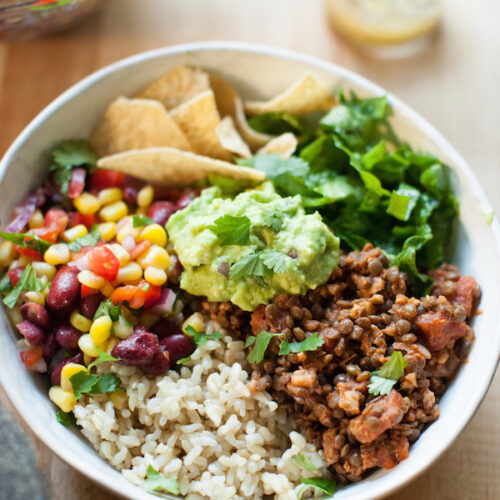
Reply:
x=76, y=218
x=56, y=219
x=15, y=274
x=103, y=262
x=166, y=193
x=141, y=295
x=28, y=252
x=102, y=179
x=139, y=249
x=86, y=291
x=77, y=182
x=31, y=356
x=438, y=330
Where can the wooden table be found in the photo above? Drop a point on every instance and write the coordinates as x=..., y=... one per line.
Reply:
x=455, y=85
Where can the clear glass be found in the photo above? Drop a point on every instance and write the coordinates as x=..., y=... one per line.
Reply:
x=386, y=27
x=31, y=18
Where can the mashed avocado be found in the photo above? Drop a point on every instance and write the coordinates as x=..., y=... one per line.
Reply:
x=283, y=250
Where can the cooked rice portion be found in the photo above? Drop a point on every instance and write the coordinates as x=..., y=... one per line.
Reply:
x=201, y=426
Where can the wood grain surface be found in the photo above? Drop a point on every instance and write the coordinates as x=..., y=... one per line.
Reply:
x=455, y=84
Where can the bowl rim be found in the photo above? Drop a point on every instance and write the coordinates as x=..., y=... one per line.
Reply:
x=94, y=472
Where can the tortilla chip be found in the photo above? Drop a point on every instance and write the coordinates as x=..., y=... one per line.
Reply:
x=284, y=146
x=173, y=167
x=230, y=139
x=136, y=124
x=198, y=118
x=306, y=95
x=177, y=86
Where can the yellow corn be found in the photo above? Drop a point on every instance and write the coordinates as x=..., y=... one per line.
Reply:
x=15, y=315
x=122, y=328
x=125, y=231
x=80, y=322
x=73, y=233
x=196, y=321
x=110, y=195
x=87, y=204
x=120, y=253
x=141, y=210
x=145, y=196
x=129, y=273
x=155, y=276
x=107, y=230
x=44, y=269
x=57, y=254
x=67, y=372
x=110, y=345
x=24, y=261
x=36, y=220
x=7, y=253
x=155, y=256
x=114, y=212
x=90, y=279
x=36, y=297
x=155, y=234
x=64, y=399
x=148, y=318
x=100, y=330
x=86, y=344
x=119, y=399
x=107, y=289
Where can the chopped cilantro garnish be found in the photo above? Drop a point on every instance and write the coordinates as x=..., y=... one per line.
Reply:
x=275, y=222
x=274, y=261
x=89, y=240
x=382, y=381
x=84, y=382
x=27, y=281
x=325, y=485
x=202, y=338
x=309, y=344
x=65, y=419
x=259, y=264
x=260, y=344
x=158, y=484
x=103, y=356
x=5, y=284
x=232, y=230
x=305, y=462
x=139, y=220
x=27, y=240
x=106, y=307
x=183, y=360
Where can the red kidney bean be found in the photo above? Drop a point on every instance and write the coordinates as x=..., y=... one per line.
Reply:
x=55, y=377
x=32, y=333
x=158, y=365
x=185, y=200
x=131, y=186
x=165, y=327
x=137, y=350
x=89, y=304
x=64, y=289
x=50, y=346
x=36, y=314
x=15, y=274
x=160, y=211
x=177, y=345
x=67, y=337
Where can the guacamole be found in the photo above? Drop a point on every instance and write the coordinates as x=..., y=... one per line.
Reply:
x=272, y=246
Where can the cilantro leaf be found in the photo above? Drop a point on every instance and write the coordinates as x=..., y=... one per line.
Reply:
x=276, y=123
x=27, y=281
x=250, y=265
x=27, y=240
x=90, y=239
x=103, y=356
x=305, y=462
x=65, y=419
x=274, y=261
x=260, y=345
x=84, y=382
x=382, y=381
x=5, y=284
x=309, y=344
x=139, y=220
x=158, y=484
x=325, y=485
x=107, y=308
x=250, y=341
x=74, y=153
x=275, y=222
x=183, y=360
x=107, y=382
x=202, y=338
x=232, y=229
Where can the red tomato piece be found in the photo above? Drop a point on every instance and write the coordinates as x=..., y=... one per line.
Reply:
x=139, y=249
x=86, y=291
x=103, y=262
x=28, y=252
x=77, y=182
x=102, y=179
x=31, y=356
x=142, y=294
x=76, y=218
x=15, y=274
x=56, y=220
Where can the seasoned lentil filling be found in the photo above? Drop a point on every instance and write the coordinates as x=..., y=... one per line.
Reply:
x=363, y=315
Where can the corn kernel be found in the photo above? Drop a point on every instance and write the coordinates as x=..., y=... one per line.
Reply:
x=155, y=256
x=125, y=231
x=87, y=204
x=37, y=219
x=196, y=321
x=141, y=210
x=120, y=253
x=74, y=233
x=155, y=276
x=90, y=279
x=64, y=399
x=107, y=289
x=107, y=230
x=67, y=372
x=111, y=343
x=100, y=330
x=155, y=234
x=148, y=318
x=129, y=273
x=7, y=253
x=15, y=315
x=87, y=359
x=46, y=290
x=114, y=212
x=57, y=254
x=145, y=196
x=36, y=297
x=119, y=399
x=24, y=261
x=122, y=328
x=80, y=322
x=86, y=344
x=44, y=269
x=110, y=195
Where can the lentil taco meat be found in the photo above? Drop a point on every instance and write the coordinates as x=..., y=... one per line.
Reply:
x=363, y=315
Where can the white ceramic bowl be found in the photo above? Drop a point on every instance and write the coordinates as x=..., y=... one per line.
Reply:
x=256, y=72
